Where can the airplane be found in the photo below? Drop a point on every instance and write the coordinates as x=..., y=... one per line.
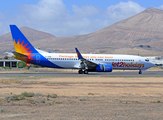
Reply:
x=85, y=63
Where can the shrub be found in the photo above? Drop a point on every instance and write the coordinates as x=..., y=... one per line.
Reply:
x=51, y=96
x=5, y=57
x=25, y=94
x=82, y=98
x=13, y=98
x=2, y=111
x=21, y=64
x=90, y=94
x=19, y=97
x=57, y=102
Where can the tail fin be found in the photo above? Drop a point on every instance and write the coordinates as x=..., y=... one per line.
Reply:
x=22, y=45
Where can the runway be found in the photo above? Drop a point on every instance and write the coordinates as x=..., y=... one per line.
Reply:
x=91, y=74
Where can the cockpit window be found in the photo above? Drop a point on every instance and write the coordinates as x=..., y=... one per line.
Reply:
x=147, y=60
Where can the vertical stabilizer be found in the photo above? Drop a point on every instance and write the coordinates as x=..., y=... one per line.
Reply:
x=22, y=45
x=23, y=48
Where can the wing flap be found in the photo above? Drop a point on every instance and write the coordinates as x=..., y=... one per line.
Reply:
x=90, y=63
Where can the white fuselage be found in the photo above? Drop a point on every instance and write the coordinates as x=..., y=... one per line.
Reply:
x=124, y=62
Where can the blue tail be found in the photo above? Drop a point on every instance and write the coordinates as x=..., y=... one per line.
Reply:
x=22, y=45
x=23, y=49
x=26, y=52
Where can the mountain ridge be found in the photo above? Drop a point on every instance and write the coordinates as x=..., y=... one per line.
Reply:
x=123, y=37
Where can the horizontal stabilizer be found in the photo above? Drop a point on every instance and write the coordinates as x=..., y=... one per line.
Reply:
x=19, y=54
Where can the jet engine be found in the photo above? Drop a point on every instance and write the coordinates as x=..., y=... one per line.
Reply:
x=104, y=68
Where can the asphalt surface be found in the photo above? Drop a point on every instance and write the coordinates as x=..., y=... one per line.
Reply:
x=94, y=74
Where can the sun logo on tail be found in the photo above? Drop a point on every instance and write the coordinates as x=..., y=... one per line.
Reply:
x=20, y=48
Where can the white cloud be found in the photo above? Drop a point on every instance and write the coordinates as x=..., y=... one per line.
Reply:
x=53, y=17
x=161, y=7
x=1, y=16
x=85, y=11
x=46, y=10
x=123, y=10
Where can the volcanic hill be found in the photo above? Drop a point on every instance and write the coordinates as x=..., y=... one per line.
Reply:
x=141, y=33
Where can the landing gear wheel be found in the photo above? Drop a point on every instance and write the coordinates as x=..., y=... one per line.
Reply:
x=85, y=71
x=80, y=72
x=140, y=72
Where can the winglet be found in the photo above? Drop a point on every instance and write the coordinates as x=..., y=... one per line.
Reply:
x=78, y=54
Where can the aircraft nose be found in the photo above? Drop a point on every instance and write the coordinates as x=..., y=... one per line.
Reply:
x=152, y=64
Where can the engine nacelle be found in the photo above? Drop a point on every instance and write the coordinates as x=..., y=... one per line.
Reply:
x=104, y=68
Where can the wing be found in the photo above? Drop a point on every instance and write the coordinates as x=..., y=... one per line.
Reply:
x=87, y=63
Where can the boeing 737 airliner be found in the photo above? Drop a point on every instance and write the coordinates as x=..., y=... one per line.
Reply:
x=84, y=63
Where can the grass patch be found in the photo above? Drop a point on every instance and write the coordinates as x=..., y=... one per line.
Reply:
x=90, y=94
x=3, y=101
x=22, y=96
x=11, y=81
x=36, y=101
x=51, y=96
x=161, y=67
x=5, y=68
x=22, y=76
x=26, y=94
x=2, y=111
x=57, y=102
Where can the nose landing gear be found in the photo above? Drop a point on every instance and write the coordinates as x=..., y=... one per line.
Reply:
x=140, y=72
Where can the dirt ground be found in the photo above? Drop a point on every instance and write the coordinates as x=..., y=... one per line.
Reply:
x=95, y=98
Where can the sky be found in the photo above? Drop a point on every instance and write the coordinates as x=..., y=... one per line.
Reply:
x=69, y=17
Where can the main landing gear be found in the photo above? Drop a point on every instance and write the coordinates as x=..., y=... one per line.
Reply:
x=81, y=71
x=140, y=72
